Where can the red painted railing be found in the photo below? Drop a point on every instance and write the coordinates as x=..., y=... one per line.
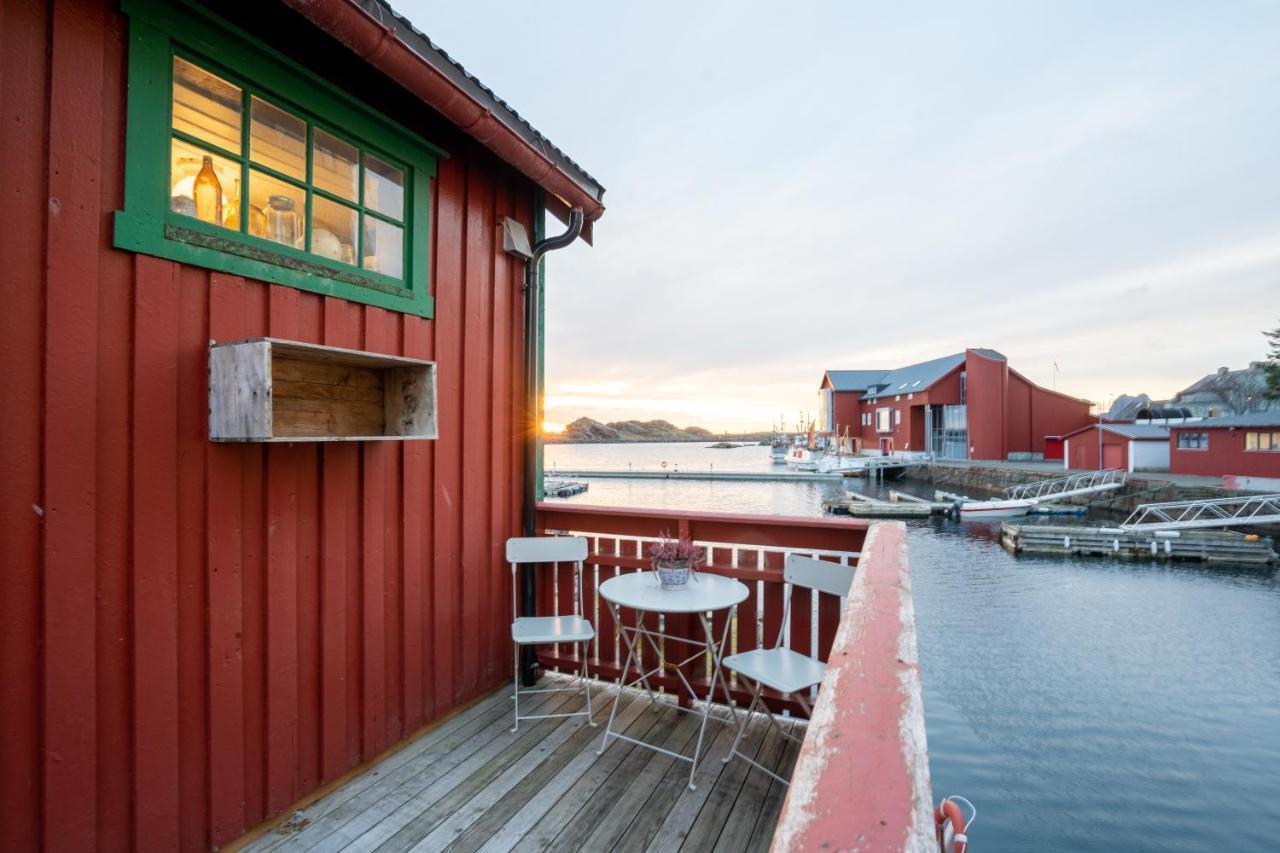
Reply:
x=750, y=548
x=861, y=781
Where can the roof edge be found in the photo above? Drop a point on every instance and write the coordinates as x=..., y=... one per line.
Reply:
x=443, y=85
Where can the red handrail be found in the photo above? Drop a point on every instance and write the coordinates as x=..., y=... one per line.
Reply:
x=861, y=780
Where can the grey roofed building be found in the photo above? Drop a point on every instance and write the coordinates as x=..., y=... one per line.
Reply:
x=1269, y=418
x=1138, y=432
x=1228, y=392
x=854, y=380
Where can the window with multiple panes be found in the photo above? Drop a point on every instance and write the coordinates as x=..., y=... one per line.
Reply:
x=1268, y=441
x=239, y=160
x=883, y=420
x=1193, y=441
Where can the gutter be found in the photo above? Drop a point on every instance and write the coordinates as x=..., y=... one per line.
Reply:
x=533, y=396
x=446, y=87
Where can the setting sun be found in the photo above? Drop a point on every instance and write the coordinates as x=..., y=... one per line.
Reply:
x=552, y=426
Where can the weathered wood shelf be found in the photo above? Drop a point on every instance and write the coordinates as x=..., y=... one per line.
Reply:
x=271, y=390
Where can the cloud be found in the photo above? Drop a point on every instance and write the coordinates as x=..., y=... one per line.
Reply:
x=850, y=185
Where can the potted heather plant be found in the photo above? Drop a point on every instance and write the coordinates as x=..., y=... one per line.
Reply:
x=675, y=560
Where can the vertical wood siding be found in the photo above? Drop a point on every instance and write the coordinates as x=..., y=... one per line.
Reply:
x=195, y=635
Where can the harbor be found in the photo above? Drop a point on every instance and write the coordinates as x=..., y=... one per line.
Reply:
x=1004, y=635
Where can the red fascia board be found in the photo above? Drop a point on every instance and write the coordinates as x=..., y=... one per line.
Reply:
x=378, y=44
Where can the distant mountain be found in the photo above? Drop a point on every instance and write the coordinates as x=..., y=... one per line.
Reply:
x=585, y=430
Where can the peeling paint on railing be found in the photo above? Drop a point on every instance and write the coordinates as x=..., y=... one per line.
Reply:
x=861, y=781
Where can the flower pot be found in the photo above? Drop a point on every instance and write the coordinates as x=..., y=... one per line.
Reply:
x=674, y=575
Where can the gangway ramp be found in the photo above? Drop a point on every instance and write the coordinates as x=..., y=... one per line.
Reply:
x=1057, y=488
x=1212, y=512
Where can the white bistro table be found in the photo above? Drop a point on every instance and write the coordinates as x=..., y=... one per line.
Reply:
x=640, y=591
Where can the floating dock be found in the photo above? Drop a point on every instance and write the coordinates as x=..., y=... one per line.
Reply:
x=1192, y=545
x=862, y=506
x=738, y=476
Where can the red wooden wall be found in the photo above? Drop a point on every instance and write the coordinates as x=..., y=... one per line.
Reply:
x=192, y=636
x=1035, y=412
x=1225, y=454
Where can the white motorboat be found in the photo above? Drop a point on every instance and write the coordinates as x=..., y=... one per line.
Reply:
x=993, y=509
x=801, y=458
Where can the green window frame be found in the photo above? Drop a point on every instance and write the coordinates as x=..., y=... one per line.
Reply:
x=162, y=34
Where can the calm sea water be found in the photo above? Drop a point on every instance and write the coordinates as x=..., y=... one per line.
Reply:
x=1082, y=704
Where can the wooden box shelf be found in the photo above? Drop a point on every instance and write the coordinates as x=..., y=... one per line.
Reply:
x=266, y=389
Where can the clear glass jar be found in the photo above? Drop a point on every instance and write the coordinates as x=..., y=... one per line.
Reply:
x=282, y=220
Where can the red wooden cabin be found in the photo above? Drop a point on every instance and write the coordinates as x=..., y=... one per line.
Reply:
x=196, y=634
x=235, y=574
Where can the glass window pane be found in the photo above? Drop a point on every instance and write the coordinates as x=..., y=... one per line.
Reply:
x=278, y=139
x=1264, y=441
x=333, y=230
x=283, y=207
x=335, y=165
x=203, y=185
x=383, y=247
x=383, y=187
x=206, y=106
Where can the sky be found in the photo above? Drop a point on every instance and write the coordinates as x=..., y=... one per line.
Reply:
x=804, y=186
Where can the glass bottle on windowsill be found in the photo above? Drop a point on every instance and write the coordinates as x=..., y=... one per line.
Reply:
x=208, y=194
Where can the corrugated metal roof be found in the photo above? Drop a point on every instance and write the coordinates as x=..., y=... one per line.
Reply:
x=1249, y=420
x=1140, y=432
x=854, y=380
x=915, y=377
x=430, y=52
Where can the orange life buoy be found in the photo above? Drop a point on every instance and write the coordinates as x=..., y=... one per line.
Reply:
x=949, y=811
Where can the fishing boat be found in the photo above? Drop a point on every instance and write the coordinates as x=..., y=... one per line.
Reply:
x=779, y=442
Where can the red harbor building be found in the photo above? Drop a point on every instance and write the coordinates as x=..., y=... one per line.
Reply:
x=970, y=405
x=1239, y=446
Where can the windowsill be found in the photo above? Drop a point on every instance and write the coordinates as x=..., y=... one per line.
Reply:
x=151, y=236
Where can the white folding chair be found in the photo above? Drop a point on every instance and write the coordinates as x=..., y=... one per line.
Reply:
x=779, y=668
x=537, y=630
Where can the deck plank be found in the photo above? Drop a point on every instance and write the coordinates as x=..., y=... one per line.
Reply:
x=538, y=792
x=378, y=803
x=416, y=819
x=701, y=835
x=673, y=807
x=508, y=789
x=472, y=785
x=438, y=741
x=601, y=799
x=529, y=833
x=751, y=798
x=625, y=807
x=762, y=835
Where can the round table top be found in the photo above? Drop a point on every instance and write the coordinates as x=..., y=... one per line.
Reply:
x=641, y=591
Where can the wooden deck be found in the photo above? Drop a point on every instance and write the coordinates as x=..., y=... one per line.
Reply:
x=470, y=784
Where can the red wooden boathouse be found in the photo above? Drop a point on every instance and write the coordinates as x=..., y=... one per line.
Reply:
x=195, y=634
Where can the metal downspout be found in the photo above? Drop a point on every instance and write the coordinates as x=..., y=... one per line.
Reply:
x=533, y=394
